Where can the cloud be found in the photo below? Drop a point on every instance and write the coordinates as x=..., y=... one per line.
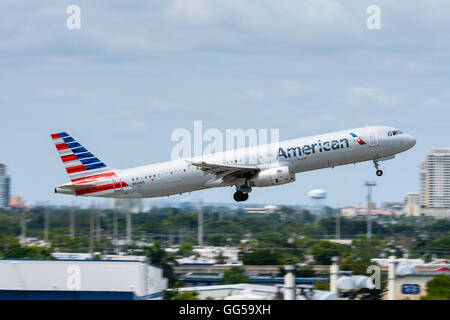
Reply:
x=158, y=104
x=291, y=88
x=58, y=93
x=254, y=95
x=374, y=96
x=138, y=127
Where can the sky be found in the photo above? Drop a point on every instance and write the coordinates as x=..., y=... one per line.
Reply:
x=138, y=70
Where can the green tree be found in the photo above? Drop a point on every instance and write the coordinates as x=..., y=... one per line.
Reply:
x=438, y=288
x=186, y=249
x=162, y=259
x=441, y=246
x=235, y=275
x=220, y=258
x=8, y=242
x=185, y=295
x=263, y=257
x=300, y=272
x=269, y=238
x=321, y=285
x=323, y=251
x=217, y=239
x=29, y=253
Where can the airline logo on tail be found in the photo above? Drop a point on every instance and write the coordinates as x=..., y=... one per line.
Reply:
x=359, y=140
x=83, y=167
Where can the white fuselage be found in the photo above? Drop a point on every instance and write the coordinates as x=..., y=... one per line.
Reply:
x=303, y=154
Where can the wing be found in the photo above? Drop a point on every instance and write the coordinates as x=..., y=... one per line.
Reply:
x=228, y=173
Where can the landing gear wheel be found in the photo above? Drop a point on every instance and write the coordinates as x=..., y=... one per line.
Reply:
x=376, y=164
x=237, y=196
x=240, y=196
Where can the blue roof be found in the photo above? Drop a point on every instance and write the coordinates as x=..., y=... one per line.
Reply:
x=255, y=280
x=62, y=260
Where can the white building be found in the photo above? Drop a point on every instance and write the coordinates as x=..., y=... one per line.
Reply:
x=207, y=255
x=412, y=205
x=435, y=183
x=243, y=291
x=30, y=279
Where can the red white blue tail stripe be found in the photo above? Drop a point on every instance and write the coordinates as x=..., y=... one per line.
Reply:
x=83, y=167
x=79, y=162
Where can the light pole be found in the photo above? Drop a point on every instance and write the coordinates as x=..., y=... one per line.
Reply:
x=391, y=277
x=91, y=231
x=72, y=221
x=338, y=223
x=289, y=283
x=369, y=185
x=200, y=223
x=23, y=227
x=334, y=274
x=46, y=224
x=129, y=228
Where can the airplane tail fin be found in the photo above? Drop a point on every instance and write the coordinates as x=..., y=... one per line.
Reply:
x=81, y=165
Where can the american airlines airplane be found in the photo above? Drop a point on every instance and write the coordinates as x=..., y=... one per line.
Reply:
x=258, y=166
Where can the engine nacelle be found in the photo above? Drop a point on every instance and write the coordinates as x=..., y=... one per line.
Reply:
x=272, y=177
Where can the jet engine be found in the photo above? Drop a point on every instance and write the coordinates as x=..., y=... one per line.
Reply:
x=272, y=177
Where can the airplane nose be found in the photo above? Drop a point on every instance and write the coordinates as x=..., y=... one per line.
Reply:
x=410, y=141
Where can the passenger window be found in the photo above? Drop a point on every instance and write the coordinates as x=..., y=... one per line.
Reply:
x=390, y=134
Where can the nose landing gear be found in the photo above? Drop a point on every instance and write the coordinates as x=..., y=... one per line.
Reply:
x=378, y=172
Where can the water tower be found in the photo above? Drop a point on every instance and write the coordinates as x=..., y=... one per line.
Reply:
x=318, y=198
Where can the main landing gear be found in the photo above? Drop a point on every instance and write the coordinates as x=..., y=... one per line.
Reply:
x=240, y=196
x=378, y=172
x=242, y=191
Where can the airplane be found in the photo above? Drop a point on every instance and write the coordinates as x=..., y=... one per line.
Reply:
x=257, y=166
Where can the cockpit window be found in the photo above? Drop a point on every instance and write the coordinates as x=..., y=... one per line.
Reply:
x=394, y=133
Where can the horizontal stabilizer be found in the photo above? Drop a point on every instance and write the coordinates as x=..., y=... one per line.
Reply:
x=76, y=186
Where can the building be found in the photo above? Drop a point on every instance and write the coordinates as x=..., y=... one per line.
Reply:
x=435, y=183
x=48, y=279
x=265, y=209
x=411, y=207
x=224, y=292
x=208, y=255
x=5, y=185
x=351, y=211
x=126, y=204
x=16, y=202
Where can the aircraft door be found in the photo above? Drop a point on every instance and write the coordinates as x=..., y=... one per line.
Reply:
x=373, y=139
x=117, y=184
